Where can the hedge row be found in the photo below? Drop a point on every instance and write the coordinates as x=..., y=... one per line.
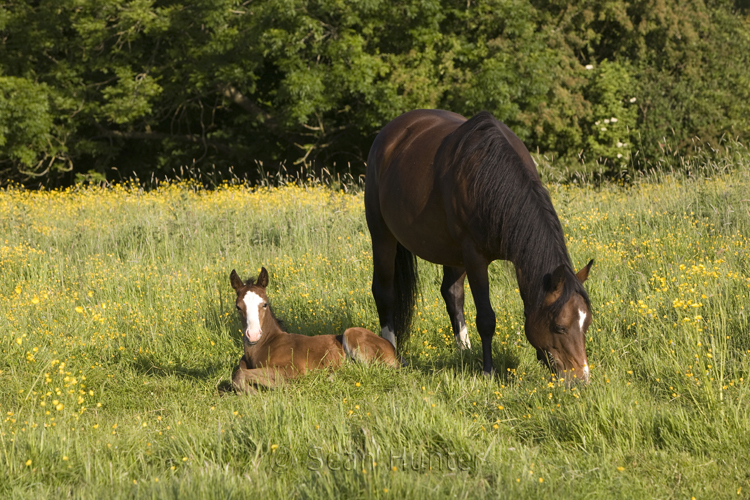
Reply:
x=101, y=88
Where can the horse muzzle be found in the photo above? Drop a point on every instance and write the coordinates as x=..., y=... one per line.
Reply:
x=252, y=338
x=570, y=373
x=574, y=375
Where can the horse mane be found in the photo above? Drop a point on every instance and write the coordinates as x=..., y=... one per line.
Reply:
x=514, y=207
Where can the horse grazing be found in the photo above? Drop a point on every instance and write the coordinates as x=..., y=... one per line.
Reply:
x=272, y=355
x=463, y=193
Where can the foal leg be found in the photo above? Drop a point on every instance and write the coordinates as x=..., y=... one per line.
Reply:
x=239, y=382
x=361, y=345
x=246, y=380
x=452, y=290
x=476, y=269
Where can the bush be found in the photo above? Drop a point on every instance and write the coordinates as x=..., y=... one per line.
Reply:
x=89, y=86
x=28, y=142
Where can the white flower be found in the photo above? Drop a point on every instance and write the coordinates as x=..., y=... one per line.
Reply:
x=619, y=155
x=606, y=120
x=589, y=66
x=597, y=122
x=632, y=99
x=619, y=144
x=613, y=119
x=604, y=129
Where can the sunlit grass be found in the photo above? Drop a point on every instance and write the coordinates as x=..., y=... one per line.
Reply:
x=118, y=334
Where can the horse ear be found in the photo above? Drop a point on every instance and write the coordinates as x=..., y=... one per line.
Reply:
x=553, y=284
x=583, y=274
x=555, y=280
x=262, y=278
x=235, y=280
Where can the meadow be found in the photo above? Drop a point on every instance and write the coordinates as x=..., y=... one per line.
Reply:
x=118, y=338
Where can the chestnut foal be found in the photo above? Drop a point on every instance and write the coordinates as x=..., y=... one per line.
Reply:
x=272, y=355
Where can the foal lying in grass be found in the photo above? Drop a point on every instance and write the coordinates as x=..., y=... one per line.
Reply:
x=272, y=355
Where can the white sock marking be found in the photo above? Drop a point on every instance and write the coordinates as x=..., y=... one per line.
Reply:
x=463, y=338
x=388, y=335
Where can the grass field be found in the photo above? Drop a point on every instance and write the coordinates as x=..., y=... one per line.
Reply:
x=118, y=337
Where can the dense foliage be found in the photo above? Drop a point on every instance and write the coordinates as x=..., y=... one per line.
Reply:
x=141, y=86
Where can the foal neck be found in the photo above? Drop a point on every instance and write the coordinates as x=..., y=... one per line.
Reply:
x=275, y=326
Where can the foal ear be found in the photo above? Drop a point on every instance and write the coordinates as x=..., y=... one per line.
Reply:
x=584, y=273
x=262, y=278
x=235, y=280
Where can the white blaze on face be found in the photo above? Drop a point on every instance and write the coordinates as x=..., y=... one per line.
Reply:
x=463, y=338
x=252, y=304
x=581, y=318
x=582, y=321
x=388, y=335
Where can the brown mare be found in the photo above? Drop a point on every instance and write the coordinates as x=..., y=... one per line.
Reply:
x=272, y=355
x=463, y=193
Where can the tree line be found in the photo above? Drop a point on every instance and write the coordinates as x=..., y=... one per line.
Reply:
x=95, y=89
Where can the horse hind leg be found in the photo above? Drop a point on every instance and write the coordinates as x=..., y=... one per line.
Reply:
x=452, y=291
x=384, y=248
x=363, y=346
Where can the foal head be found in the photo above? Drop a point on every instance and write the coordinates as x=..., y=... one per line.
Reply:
x=252, y=306
x=558, y=328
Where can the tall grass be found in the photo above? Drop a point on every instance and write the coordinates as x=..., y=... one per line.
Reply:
x=118, y=337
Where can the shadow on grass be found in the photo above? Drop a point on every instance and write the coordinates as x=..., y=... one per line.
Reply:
x=467, y=362
x=146, y=365
x=225, y=388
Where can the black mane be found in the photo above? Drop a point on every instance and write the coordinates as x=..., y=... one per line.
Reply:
x=514, y=206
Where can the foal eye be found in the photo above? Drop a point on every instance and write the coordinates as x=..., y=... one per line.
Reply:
x=265, y=305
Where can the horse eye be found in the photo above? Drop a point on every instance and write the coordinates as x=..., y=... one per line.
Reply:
x=265, y=305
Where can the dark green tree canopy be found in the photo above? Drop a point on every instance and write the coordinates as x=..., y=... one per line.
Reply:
x=148, y=85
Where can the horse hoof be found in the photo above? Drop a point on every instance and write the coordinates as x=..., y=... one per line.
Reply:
x=246, y=389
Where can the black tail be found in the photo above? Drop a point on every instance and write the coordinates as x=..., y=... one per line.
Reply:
x=405, y=283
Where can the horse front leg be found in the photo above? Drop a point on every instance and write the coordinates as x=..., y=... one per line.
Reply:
x=452, y=291
x=239, y=382
x=246, y=380
x=476, y=269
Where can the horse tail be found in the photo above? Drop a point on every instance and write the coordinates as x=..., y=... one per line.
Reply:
x=405, y=283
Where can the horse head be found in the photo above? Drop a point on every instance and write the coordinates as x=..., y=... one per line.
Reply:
x=558, y=328
x=252, y=306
